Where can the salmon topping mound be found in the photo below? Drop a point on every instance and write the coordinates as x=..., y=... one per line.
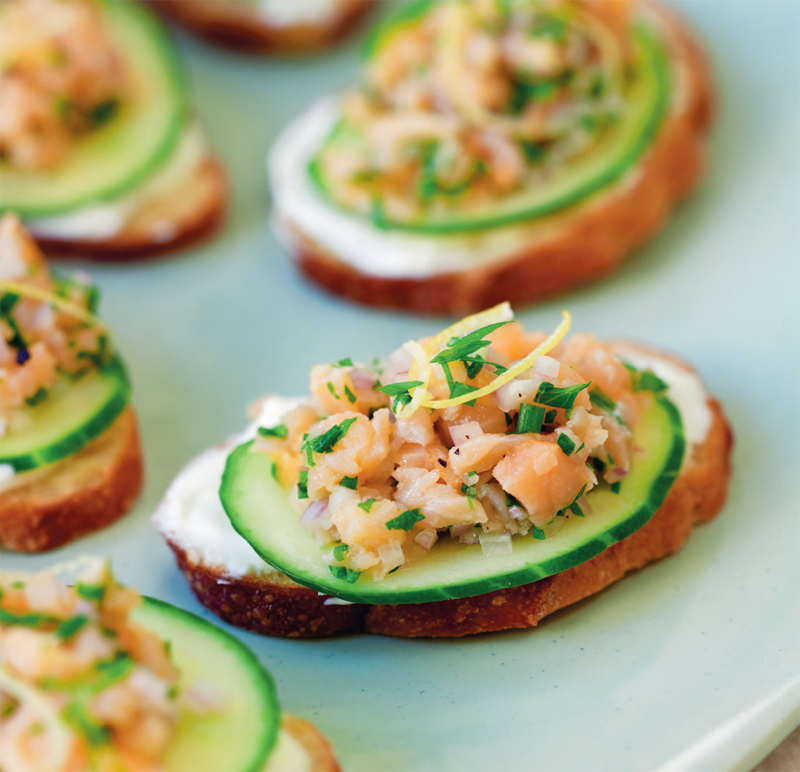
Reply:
x=62, y=77
x=475, y=100
x=47, y=324
x=383, y=460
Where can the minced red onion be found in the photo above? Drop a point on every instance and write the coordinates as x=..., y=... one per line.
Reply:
x=468, y=538
x=397, y=370
x=495, y=544
x=314, y=511
x=460, y=530
x=516, y=512
x=463, y=432
x=362, y=379
x=427, y=538
x=511, y=394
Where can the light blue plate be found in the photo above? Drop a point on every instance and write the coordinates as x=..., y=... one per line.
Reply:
x=690, y=664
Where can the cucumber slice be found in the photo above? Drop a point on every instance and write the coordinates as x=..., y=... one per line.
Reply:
x=72, y=414
x=239, y=739
x=118, y=156
x=258, y=509
x=616, y=153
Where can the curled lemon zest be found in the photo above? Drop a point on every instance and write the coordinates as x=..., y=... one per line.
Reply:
x=36, y=293
x=420, y=397
x=420, y=370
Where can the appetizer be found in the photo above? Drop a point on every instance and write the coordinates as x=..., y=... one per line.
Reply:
x=95, y=676
x=99, y=152
x=476, y=481
x=70, y=459
x=494, y=151
x=268, y=26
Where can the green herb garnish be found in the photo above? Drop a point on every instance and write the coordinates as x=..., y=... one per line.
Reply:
x=615, y=487
x=325, y=443
x=339, y=551
x=645, y=380
x=302, y=484
x=550, y=416
x=349, y=394
x=36, y=398
x=281, y=431
x=71, y=627
x=530, y=419
x=344, y=363
x=406, y=521
x=349, y=482
x=601, y=400
x=538, y=533
x=400, y=392
x=560, y=397
x=366, y=505
x=92, y=592
x=332, y=390
x=77, y=715
x=566, y=444
x=345, y=574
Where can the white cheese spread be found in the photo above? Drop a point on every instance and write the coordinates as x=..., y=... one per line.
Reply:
x=296, y=13
x=104, y=221
x=191, y=515
x=288, y=755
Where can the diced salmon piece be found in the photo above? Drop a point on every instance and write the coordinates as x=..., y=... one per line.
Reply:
x=441, y=504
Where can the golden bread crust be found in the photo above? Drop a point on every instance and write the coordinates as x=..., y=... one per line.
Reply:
x=49, y=507
x=275, y=605
x=581, y=244
x=168, y=223
x=240, y=28
x=314, y=742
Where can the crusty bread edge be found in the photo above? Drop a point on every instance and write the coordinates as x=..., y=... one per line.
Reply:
x=584, y=243
x=316, y=745
x=247, y=33
x=275, y=605
x=193, y=222
x=33, y=523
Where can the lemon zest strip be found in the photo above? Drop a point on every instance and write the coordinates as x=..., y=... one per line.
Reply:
x=423, y=367
x=543, y=348
x=35, y=293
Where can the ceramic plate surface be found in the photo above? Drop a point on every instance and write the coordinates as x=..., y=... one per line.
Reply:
x=690, y=664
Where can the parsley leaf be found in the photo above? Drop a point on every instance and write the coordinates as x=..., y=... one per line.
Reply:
x=349, y=482
x=71, y=627
x=458, y=348
x=406, y=521
x=601, y=400
x=345, y=574
x=615, y=487
x=325, y=443
x=280, y=431
x=400, y=392
x=538, y=533
x=366, y=505
x=560, y=397
x=344, y=363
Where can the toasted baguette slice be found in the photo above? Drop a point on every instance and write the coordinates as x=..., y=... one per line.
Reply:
x=169, y=221
x=272, y=604
x=578, y=245
x=48, y=507
x=319, y=750
x=240, y=27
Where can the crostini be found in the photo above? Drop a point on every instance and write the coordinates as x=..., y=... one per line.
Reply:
x=268, y=26
x=95, y=676
x=494, y=151
x=477, y=481
x=70, y=457
x=100, y=153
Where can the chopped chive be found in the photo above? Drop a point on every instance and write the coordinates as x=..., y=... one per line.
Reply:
x=344, y=363
x=332, y=390
x=349, y=482
x=538, y=533
x=601, y=400
x=339, y=551
x=405, y=521
x=615, y=487
x=349, y=394
x=77, y=715
x=92, y=592
x=530, y=419
x=511, y=501
x=366, y=505
x=36, y=398
x=71, y=627
x=566, y=444
x=509, y=419
x=281, y=431
x=302, y=484
x=550, y=416
x=325, y=443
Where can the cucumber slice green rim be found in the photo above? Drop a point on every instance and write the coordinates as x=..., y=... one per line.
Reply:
x=241, y=738
x=259, y=511
x=72, y=415
x=618, y=151
x=117, y=157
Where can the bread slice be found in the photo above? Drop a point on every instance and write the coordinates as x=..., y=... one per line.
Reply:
x=273, y=604
x=240, y=27
x=567, y=249
x=319, y=750
x=171, y=220
x=48, y=507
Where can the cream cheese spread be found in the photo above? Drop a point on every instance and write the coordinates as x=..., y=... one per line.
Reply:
x=288, y=755
x=104, y=221
x=191, y=515
x=296, y=13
